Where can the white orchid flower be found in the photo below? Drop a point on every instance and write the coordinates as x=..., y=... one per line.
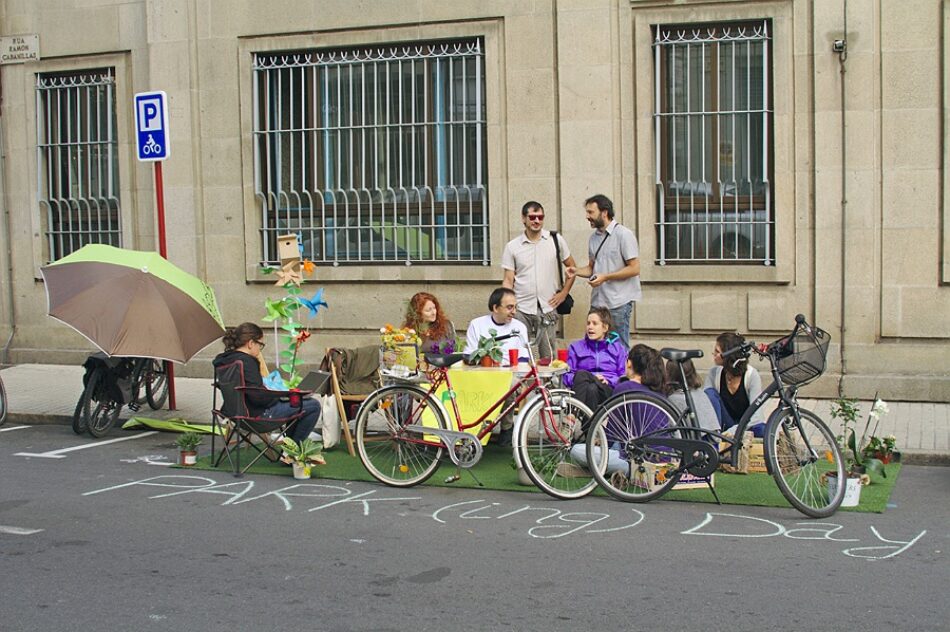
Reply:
x=879, y=409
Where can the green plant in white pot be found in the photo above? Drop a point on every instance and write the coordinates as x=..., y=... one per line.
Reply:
x=187, y=443
x=303, y=455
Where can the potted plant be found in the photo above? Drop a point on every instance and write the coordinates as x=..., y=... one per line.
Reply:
x=858, y=463
x=488, y=351
x=882, y=449
x=303, y=455
x=187, y=442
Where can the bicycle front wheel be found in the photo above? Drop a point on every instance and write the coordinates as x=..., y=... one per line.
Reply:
x=156, y=384
x=801, y=457
x=99, y=409
x=546, y=446
x=390, y=453
x=635, y=471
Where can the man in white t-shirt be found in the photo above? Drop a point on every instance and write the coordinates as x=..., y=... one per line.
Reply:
x=501, y=320
x=530, y=262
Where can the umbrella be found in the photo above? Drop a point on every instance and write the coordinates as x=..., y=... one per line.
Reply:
x=132, y=303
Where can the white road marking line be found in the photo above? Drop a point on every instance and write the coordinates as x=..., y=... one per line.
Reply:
x=61, y=454
x=13, y=428
x=18, y=530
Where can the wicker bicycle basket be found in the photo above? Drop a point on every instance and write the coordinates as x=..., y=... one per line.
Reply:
x=801, y=358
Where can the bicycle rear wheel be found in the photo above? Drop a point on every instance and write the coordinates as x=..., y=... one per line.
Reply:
x=3, y=403
x=389, y=453
x=156, y=384
x=800, y=458
x=99, y=409
x=544, y=443
x=634, y=472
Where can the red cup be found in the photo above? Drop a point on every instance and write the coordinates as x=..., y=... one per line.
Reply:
x=562, y=355
x=513, y=357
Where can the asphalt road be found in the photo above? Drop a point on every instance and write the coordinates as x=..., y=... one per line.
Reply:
x=106, y=538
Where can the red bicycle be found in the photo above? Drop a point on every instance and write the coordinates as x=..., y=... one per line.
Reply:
x=402, y=431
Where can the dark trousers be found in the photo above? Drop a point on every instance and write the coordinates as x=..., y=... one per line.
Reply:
x=590, y=390
x=311, y=413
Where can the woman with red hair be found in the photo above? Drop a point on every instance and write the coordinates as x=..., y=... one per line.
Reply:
x=425, y=315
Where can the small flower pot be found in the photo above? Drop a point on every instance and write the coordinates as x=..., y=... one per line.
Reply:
x=488, y=362
x=524, y=479
x=301, y=471
x=188, y=457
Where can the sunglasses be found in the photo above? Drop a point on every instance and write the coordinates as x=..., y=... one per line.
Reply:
x=535, y=218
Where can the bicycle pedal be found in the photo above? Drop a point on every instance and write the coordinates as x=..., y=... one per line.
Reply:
x=134, y=407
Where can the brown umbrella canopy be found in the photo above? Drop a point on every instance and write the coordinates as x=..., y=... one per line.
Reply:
x=133, y=304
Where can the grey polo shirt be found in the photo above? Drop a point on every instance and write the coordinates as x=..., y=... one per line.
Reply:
x=535, y=268
x=621, y=246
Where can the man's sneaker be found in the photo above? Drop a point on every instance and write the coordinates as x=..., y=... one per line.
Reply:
x=571, y=470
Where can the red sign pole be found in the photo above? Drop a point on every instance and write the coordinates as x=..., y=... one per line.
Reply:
x=163, y=250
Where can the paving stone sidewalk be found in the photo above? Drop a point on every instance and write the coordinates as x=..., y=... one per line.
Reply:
x=47, y=394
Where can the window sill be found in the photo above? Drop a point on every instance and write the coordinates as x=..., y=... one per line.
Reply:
x=391, y=274
x=712, y=273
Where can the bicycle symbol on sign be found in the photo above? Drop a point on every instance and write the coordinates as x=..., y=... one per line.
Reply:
x=151, y=147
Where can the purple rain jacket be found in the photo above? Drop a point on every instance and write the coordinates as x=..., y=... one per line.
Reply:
x=597, y=356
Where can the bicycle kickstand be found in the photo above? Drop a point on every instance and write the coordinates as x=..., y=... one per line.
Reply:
x=713, y=490
x=458, y=475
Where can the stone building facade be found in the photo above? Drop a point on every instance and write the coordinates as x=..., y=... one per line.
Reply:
x=773, y=157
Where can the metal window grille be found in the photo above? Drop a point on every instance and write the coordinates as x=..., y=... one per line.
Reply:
x=713, y=127
x=373, y=154
x=77, y=159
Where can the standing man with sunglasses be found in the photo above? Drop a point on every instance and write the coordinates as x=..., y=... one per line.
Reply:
x=613, y=267
x=530, y=261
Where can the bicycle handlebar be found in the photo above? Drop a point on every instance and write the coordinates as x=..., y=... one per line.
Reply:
x=763, y=349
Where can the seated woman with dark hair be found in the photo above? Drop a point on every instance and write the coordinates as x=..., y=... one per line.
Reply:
x=732, y=385
x=595, y=362
x=705, y=413
x=244, y=343
x=424, y=314
x=645, y=373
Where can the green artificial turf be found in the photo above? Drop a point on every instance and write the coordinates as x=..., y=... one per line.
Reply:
x=495, y=472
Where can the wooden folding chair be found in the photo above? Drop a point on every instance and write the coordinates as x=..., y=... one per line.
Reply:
x=335, y=364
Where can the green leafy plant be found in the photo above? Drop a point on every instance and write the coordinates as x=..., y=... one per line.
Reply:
x=881, y=448
x=854, y=448
x=188, y=441
x=305, y=452
x=488, y=347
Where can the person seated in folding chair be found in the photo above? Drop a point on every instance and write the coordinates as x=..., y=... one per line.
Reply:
x=244, y=343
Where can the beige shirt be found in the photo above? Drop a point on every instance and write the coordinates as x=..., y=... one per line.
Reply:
x=535, y=268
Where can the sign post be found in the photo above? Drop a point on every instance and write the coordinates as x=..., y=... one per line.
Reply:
x=152, y=145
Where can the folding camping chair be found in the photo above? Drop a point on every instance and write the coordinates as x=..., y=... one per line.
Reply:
x=354, y=374
x=233, y=420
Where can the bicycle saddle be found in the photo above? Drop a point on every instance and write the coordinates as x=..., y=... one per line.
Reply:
x=678, y=355
x=442, y=361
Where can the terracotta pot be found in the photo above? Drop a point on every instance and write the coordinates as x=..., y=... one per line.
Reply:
x=188, y=457
x=884, y=458
x=487, y=361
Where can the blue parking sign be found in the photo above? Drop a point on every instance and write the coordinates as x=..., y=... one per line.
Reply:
x=151, y=126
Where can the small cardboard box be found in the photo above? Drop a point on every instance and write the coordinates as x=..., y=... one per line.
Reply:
x=654, y=477
x=757, y=457
x=688, y=481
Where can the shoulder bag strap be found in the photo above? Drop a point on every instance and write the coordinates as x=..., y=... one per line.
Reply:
x=593, y=261
x=557, y=251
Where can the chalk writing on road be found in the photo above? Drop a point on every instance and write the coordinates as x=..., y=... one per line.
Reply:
x=543, y=522
x=738, y=526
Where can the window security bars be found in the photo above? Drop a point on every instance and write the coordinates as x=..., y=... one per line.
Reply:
x=373, y=154
x=77, y=161
x=713, y=132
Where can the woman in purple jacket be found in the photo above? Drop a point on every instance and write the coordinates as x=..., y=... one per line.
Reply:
x=596, y=362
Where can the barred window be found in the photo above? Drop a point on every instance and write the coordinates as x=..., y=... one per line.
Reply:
x=78, y=184
x=713, y=126
x=373, y=154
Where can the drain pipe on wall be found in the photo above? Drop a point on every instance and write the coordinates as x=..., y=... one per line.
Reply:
x=841, y=47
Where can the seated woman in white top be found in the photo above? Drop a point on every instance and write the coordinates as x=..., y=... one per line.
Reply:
x=732, y=385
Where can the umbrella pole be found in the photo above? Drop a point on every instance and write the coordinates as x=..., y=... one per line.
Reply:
x=162, y=250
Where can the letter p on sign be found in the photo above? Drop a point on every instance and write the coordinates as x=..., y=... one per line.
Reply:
x=151, y=126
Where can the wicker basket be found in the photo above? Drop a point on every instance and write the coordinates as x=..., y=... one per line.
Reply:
x=801, y=357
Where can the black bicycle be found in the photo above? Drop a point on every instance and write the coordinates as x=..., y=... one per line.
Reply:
x=650, y=445
x=3, y=403
x=110, y=383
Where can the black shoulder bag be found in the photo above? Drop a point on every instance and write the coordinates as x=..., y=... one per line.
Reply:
x=568, y=304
